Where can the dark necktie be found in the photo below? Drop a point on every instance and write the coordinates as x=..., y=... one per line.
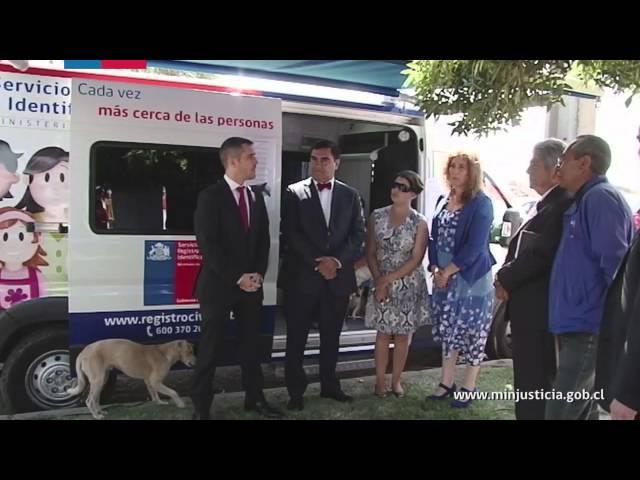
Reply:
x=244, y=210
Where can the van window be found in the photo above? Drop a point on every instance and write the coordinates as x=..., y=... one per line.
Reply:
x=149, y=189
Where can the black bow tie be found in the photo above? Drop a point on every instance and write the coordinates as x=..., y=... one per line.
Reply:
x=322, y=186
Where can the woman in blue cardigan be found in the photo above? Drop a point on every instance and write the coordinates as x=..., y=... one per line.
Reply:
x=460, y=261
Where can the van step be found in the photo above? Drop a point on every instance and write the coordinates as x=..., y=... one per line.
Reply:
x=343, y=366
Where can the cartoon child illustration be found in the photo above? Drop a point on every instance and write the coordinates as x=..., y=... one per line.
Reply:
x=47, y=195
x=8, y=167
x=20, y=258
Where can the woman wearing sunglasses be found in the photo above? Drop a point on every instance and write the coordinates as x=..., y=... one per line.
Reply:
x=397, y=238
x=460, y=261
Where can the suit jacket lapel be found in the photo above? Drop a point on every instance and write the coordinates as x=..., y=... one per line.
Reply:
x=252, y=215
x=315, y=201
x=551, y=198
x=337, y=191
x=523, y=227
x=233, y=207
x=545, y=203
x=252, y=206
x=254, y=212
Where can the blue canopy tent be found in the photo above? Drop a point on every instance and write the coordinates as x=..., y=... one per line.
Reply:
x=376, y=76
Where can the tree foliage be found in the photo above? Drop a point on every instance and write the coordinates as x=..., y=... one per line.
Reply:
x=492, y=94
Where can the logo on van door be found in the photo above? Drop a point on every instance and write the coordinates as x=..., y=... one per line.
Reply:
x=159, y=252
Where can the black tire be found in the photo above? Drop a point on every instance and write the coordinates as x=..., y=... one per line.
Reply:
x=49, y=347
x=499, y=342
x=36, y=374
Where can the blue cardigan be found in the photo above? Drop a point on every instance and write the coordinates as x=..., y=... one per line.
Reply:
x=471, y=251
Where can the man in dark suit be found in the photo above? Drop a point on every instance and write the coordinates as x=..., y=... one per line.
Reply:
x=618, y=363
x=232, y=229
x=323, y=229
x=523, y=281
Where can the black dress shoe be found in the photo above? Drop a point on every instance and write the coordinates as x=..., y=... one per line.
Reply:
x=296, y=404
x=338, y=396
x=264, y=409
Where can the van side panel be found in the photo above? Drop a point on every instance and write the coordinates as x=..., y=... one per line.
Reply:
x=34, y=186
x=149, y=151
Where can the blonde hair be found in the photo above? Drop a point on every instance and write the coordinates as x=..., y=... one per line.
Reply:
x=474, y=175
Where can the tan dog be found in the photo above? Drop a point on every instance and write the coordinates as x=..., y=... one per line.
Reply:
x=148, y=362
x=358, y=300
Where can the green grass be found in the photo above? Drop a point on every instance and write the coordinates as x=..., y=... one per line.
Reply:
x=366, y=405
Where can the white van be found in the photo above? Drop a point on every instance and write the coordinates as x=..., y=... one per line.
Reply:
x=96, y=219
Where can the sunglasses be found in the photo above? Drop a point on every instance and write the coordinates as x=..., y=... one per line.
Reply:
x=401, y=186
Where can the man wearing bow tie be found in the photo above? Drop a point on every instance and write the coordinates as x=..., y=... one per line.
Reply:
x=323, y=230
x=523, y=281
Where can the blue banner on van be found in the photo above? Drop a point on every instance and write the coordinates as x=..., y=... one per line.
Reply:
x=170, y=271
x=156, y=326
x=159, y=272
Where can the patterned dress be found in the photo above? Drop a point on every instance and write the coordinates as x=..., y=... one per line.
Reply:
x=461, y=312
x=408, y=305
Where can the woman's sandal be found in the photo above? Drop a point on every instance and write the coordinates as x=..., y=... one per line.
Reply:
x=448, y=392
x=378, y=394
x=463, y=403
x=398, y=394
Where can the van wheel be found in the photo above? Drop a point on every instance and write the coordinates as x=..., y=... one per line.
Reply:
x=37, y=375
x=499, y=342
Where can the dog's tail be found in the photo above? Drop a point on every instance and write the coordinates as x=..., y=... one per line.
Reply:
x=82, y=380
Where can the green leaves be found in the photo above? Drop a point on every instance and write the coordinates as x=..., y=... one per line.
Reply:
x=492, y=94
